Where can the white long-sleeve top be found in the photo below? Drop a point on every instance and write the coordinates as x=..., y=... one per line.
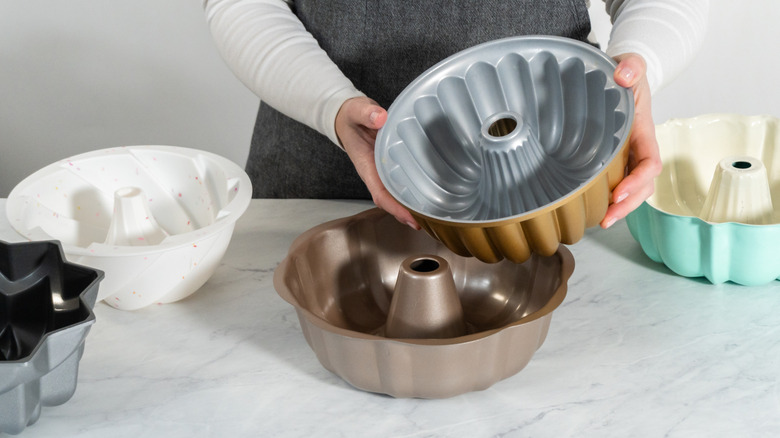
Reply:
x=272, y=53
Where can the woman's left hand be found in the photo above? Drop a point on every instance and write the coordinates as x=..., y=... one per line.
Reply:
x=644, y=162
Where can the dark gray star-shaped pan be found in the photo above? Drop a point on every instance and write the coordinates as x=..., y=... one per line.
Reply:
x=45, y=315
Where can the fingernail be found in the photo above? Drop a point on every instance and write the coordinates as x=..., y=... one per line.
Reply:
x=373, y=116
x=621, y=197
x=626, y=73
x=611, y=222
x=412, y=225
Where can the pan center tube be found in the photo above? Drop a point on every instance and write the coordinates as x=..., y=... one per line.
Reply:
x=501, y=129
x=739, y=192
x=425, y=303
x=517, y=175
x=132, y=222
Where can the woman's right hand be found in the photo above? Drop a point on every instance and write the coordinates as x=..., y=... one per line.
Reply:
x=357, y=123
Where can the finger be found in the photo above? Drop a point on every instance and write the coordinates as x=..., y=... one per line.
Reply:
x=642, y=175
x=366, y=117
x=635, y=187
x=382, y=197
x=386, y=202
x=630, y=70
x=632, y=190
x=366, y=168
x=621, y=209
x=362, y=111
x=644, y=161
x=373, y=116
x=366, y=112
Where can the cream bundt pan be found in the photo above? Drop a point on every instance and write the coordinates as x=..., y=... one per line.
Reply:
x=715, y=212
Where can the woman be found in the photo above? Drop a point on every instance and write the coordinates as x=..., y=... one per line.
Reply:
x=325, y=71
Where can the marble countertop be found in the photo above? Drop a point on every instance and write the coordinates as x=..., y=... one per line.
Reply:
x=634, y=350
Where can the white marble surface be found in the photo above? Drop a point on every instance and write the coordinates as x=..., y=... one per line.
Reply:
x=633, y=351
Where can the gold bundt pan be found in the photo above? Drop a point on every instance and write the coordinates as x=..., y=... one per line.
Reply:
x=540, y=232
x=510, y=147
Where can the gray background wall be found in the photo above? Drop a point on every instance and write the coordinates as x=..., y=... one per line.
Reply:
x=80, y=75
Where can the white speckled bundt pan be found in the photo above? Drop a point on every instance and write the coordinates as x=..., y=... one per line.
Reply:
x=156, y=219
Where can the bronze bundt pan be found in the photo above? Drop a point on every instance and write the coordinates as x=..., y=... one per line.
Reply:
x=392, y=311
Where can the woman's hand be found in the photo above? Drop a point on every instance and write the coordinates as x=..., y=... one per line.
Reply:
x=644, y=162
x=357, y=123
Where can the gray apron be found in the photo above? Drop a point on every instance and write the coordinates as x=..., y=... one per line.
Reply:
x=381, y=46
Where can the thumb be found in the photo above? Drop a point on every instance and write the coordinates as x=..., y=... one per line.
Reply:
x=631, y=68
x=373, y=116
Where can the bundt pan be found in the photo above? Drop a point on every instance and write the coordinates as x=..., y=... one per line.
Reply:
x=45, y=316
x=156, y=219
x=392, y=311
x=510, y=147
x=716, y=208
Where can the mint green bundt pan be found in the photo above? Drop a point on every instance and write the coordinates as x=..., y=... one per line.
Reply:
x=675, y=225
x=691, y=247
